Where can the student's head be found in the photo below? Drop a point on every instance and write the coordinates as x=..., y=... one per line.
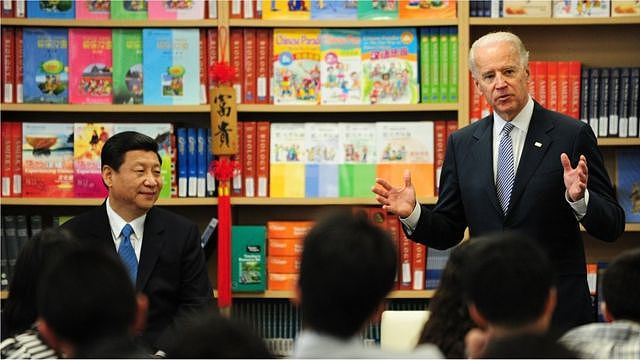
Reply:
x=449, y=319
x=619, y=287
x=131, y=172
x=527, y=346
x=509, y=282
x=210, y=336
x=347, y=268
x=41, y=250
x=499, y=65
x=85, y=298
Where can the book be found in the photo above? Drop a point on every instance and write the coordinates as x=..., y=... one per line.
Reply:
x=212, y=54
x=19, y=66
x=204, y=72
x=46, y=64
x=249, y=66
x=340, y=66
x=357, y=159
x=285, y=10
x=321, y=168
x=12, y=244
x=436, y=261
x=418, y=265
x=296, y=66
x=552, y=85
x=584, y=95
x=192, y=162
x=212, y=9
x=248, y=258
x=171, y=66
x=201, y=162
x=625, y=90
x=574, y=89
x=51, y=9
x=176, y=10
x=634, y=100
x=127, y=66
x=286, y=168
x=237, y=179
x=440, y=144
x=8, y=64
x=90, y=67
x=129, y=10
x=389, y=66
x=22, y=231
x=625, y=8
x=579, y=8
x=4, y=263
x=334, y=9
x=614, y=101
x=378, y=10
x=405, y=254
x=425, y=67
x=443, y=39
x=236, y=60
x=183, y=177
x=249, y=157
x=263, y=64
x=5, y=155
x=262, y=158
x=443, y=9
x=628, y=183
x=8, y=10
x=88, y=140
x=603, y=103
x=47, y=160
x=526, y=8
x=594, y=94
x=16, y=159
x=91, y=9
x=452, y=61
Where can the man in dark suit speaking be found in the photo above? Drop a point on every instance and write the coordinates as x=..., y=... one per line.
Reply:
x=160, y=250
x=522, y=167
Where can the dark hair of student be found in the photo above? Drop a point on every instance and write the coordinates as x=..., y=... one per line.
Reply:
x=449, y=319
x=40, y=251
x=116, y=147
x=527, y=346
x=508, y=278
x=347, y=267
x=87, y=296
x=620, y=295
x=208, y=335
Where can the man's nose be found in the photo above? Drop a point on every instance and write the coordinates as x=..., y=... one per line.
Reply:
x=150, y=179
x=500, y=80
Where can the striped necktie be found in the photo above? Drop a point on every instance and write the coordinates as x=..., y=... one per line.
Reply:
x=506, y=170
x=127, y=254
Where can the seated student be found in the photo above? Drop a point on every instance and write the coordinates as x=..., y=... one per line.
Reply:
x=527, y=346
x=211, y=336
x=449, y=319
x=20, y=313
x=619, y=337
x=509, y=287
x=87, y=300
x=347, y=268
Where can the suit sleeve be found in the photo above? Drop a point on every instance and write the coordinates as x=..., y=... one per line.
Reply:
x=604, y=218
x=443, y=227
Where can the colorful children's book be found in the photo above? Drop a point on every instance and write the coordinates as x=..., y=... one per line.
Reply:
x=285, y=10
x=127, y=66
x=296, y=66
x=357, y=158
x=334, y=9
x=287, y=165
x=341, y=66
x=88, y=140
x=406, y=145
x=161, y=132
x=378, y=10
x=176, y=9
x=390, y=66
x=90, y=68
x=47, y=160
x=625, y=8
x=434, y=9
x=526, y=8
x=628, y=184
x=51, y=9
x=581, y=8
x=171, y=64
x=321, y=169
x=46, y=64
x=93, y=9
x=129, y=9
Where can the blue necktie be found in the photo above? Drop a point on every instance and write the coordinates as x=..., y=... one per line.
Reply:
x=127, y=254
x=506, y=169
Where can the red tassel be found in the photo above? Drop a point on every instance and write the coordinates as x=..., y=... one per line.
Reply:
x=223, y=73
x=224, y=246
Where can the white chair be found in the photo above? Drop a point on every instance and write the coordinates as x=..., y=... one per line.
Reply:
x=400, y=330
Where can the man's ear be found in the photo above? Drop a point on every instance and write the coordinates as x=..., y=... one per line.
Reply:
x=140, y=320
x=107, y=175
x=49, y=335
x=477, y=317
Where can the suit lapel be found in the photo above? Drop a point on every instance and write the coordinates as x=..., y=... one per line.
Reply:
x=483, y=157
x=100, y=229
x=152, y=244
x=535, y=146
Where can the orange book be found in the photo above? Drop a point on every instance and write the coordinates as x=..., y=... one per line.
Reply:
x=6, y=148
x=283, y=264
x=249, y=158
x=249, y=66
x=440, y=143
x=575, y=70
x=552, y=85
x=263, y=63
x=282, y=282
x=418, y=264
x=19, y=67
x=212, y=52
x=405, y=250
x=8, y=64
x=563, y=87
x=284, y=247
x=541, y=83
x=288, y=229
x=236, y=54
x=204, y=88
x=262, y=158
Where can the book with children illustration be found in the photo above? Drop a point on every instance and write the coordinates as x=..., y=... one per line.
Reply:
x=90, y=67
x=129, y=10
x=285, y=10
x=176, y=9
x=127, y=66
x=93, y=9
x=46, y=64
x=341, y=66
x=296, y=66
x=334, y=9
x=378, y=10
x=51, y=9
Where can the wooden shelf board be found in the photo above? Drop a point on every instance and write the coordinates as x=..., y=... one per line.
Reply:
x=76, y=23
x=4, y=294
x=348, y=108
x=271, y=294
x=554, y=21
x=341, y=23
x=618, y=141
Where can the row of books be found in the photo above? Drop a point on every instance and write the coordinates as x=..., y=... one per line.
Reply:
x=553, y=8
x=16, y=231
x=107, y=9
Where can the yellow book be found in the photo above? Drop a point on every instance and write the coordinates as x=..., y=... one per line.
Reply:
x=288, y=158
x=286, y=10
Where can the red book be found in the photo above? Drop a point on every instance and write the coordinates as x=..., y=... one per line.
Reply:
x=16, y=158
x=440, y=143
x=552, y=85
x=204, y=88
x=405, y=250
x=452, y=126
x=235, y=9
x=262, y=158
x=271, y=61
x=6, y=148
x=541, y=83
x=419, y=265
x=532, y=77
x=575, y=70
x=174, y=164
x=475, y=110
x=18, y=76
x=236, y=184
x=8, y=65
x=393, y=224
x=236, y=50
x=8, y=10
x=563, y=87
x=249, y=157
x=263, y=63
x=212, y=52
x=249, y=66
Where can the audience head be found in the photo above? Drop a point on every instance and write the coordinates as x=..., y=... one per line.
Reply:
x=449, y=319
x=621, y=296
x=85, y=298
x=509, y=282
x=211, y=336
x=39, y=252
x=347, y=268
x=527, y=346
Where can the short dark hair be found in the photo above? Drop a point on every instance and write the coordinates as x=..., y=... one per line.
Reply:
x=620, y=295
x=347, y=267
x=87, y=296
x=37, y=254
x=527, y=346
x=117, y=146
x=508, y=278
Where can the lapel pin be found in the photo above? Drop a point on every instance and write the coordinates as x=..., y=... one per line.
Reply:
x=537, y=144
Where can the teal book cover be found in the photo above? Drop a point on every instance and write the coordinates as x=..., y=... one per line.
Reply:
x=248, y=258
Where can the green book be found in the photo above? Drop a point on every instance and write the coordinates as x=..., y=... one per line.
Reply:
x=453, y=64
x=248, y=260
x=356, y=179
x=129, y=10
x=434, y=63
x=425, y=74
x=127, y=66
x=444, y=64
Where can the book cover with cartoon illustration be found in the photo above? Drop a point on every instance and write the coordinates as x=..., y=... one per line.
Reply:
x=427, y=9
x=90, y=67
x=127, y=66
x=378, y=10
x=285, y=10
x=51, y=9
x=341, y=66
x=129, y=10
x=296, y=66
x=334, y=9
x=46, y=65
x=88, y=140
x=176, y=9
x=93, y=9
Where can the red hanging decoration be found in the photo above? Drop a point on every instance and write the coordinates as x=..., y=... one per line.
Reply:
x=222, y=73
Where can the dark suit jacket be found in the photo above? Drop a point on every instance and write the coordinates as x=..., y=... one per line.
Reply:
x=171, y=271
x=537, y=207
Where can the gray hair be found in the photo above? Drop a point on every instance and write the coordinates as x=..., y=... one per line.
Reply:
x=498, y=37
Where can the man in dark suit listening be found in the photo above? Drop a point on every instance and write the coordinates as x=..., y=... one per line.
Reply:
x=522, y=167
x=160, y=250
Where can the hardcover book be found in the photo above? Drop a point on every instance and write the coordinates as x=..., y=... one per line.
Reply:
x=341, y=66
x=248, y=258
x=129, y=10
x=90, y=67
x=296, y=66
x=357, y=158
x=46, y=65
x=51, y=9
x=286, y=168
x=88, y=140
x=127, y=66
x=176, y=10
x=93, y=9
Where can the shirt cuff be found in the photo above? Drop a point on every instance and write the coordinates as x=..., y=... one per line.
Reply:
x=579, y=207
x=411, y=221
